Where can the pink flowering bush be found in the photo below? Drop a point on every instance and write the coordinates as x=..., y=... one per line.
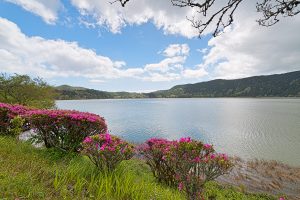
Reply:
x=107, y=151
x=64, y=129
x=190, y=163
x=7, y=113
x=154, y=151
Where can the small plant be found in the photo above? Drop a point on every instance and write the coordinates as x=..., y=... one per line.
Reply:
x=7, y=113
x=107, y=151
x=154, y=151
x=64, y=129
x=186, y=162
x=16, y=126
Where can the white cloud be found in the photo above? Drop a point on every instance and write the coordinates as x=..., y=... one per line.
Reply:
x=247, y=49
x=195, y=73
x=177, y=50
x=51, y=58
x=172, y=20
x=172, y=67
x=46, y=9
x=203, y=51
x=167, y=64
x=97, y=81
x=156, y=77
x=58, y=58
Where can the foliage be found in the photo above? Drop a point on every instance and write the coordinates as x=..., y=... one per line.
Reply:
x=30, y=173
x=154, y=152
x=65, y=129
x=189, y=163
x=107, y=151
x=10, y=123
x=16, y=126
x=66, y=92
x=195, y=164
x=27, y=172
x=279, y=85
x=23, y=90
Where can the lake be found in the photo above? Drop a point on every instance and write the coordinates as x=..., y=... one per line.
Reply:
x=246, y=127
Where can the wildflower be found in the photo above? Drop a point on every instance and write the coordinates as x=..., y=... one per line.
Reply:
x=87, y=140
x=207, y=146
x=180, y=186
x=188, y=139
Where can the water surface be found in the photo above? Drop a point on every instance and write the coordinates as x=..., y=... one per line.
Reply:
x=249, y=128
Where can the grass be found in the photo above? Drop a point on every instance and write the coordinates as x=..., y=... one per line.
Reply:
x=30, y=173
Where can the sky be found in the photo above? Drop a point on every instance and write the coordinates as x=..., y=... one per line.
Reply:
x=148, y=45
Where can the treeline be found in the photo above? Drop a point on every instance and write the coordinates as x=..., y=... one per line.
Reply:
x=278, y=85
x=66, y=92
x=23, y=90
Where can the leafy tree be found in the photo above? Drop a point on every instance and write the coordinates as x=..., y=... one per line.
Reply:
x=272, y=11
x=23, y=90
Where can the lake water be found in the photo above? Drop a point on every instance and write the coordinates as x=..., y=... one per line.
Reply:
x=246, y=127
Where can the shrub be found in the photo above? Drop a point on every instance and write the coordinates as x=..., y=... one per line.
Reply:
x=107, y=151
x=64, y=129
x=16, y=126
x=190, y=163
x=154, y=152
x=7, y=113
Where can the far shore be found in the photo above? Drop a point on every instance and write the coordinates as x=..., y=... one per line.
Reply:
x=183, y=98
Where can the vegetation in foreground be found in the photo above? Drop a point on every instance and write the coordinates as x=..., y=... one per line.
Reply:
x=30, y=173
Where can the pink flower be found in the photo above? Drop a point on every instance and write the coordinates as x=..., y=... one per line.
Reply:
x=212, y=156
x=188, y=139
x=87, y=140
x=207, y=146
x=107, y=138
x=197, y=159
x=103, y=147
x=281, y=198
x=180, y=186
x=224, y=156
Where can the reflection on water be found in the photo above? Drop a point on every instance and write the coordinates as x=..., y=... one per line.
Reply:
x=249, y=128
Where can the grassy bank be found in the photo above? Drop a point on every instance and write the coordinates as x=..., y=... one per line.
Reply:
x=30, y=173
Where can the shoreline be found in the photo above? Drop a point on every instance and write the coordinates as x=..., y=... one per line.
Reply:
x=252, y=176
x=181, y=98
x=261, y=176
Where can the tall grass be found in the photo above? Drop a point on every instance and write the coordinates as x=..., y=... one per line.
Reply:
x=30, y=173
x=26, y=172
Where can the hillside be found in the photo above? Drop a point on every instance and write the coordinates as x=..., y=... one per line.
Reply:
x=66, y=92
x=277, y=85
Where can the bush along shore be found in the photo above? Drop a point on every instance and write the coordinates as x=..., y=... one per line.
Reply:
x=83, y=161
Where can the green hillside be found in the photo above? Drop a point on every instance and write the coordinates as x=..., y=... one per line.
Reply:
x=277, y=85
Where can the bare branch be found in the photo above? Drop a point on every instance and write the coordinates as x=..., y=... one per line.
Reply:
x=223, y=17
x=122, y=2
x=273, y=9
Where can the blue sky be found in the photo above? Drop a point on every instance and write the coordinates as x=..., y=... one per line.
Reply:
x=102, y=46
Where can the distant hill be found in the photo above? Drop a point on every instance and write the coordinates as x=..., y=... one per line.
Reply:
x=277, y=85
x=66, y=92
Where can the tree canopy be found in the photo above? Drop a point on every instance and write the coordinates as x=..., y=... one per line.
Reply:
x=222, y=17
x=23, y=90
